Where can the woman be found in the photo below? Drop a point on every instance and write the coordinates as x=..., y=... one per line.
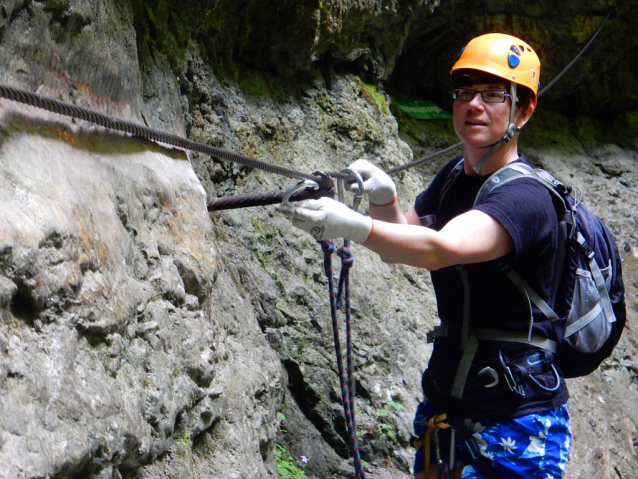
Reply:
x=504, y=397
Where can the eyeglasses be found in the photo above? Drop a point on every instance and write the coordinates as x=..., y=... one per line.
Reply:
x=488, y=96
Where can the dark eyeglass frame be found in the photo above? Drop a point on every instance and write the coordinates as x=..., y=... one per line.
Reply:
x=486, y=100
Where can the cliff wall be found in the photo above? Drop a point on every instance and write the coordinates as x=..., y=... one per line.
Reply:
x=142, y=337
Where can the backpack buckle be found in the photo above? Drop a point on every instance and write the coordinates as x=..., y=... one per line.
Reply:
x=588, y=250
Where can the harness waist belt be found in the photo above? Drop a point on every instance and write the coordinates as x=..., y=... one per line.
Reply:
x=516, y=337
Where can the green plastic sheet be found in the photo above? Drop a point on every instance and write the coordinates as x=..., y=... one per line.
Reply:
x=422, y=110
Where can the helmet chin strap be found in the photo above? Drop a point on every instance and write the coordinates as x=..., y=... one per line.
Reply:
x=511, y=130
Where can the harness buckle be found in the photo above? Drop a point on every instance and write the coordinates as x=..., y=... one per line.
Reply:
x=514, y=381
x=473, y=447
x=489, y=376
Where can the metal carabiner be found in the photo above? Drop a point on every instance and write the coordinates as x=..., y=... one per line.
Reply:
x=297, y=186
x=357, y=196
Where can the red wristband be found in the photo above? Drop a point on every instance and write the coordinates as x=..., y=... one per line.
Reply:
x=387, y=204
x=370, y=233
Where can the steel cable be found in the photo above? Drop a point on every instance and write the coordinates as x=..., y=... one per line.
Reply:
x=74, y=111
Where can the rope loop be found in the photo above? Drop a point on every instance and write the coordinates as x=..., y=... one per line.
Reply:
x=346, y=375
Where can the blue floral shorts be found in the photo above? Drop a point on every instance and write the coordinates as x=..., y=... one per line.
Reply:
x=533, y=446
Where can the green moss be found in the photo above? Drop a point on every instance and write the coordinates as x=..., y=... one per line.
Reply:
x=184, y=439
x=261, y=245
x=262, y=85
x=372, y=96
x=630, y=118
x=287, y=313
x=323, y=102
x=164, y=28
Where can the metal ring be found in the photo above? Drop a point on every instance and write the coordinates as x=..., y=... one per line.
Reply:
x=297, y=186
x=492, y=373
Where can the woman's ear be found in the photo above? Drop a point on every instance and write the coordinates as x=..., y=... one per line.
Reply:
x=523, y=114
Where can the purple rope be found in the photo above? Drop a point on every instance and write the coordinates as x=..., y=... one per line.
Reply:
x=347, y=388
x=344, y=287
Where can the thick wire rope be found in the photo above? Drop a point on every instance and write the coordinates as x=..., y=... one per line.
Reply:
x=27, y=97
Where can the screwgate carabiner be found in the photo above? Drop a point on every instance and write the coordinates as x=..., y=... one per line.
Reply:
x=357, y=196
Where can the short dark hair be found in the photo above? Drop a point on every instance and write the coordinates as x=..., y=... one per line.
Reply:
x=525, y=96
x=466, y=77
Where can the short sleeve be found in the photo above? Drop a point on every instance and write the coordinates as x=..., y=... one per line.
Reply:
x=524, y=208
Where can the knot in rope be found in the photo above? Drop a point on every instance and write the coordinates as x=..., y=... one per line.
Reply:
x=347, y=259
x=328, y=246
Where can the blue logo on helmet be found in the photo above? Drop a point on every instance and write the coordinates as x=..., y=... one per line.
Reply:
x=513, y=59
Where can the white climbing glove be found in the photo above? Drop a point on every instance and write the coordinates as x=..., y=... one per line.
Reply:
x=379, y=186
x=326, y=218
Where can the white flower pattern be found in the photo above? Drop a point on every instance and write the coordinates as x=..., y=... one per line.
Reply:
x=536, y=446
x=508, y=444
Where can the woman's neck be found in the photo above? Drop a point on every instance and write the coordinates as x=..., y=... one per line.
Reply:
x=506, y=153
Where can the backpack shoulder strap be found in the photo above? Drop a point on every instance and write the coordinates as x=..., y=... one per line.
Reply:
x=565, y=213
x=430, y=219
x=507, y=173
x=513, y=171
x=451, y=177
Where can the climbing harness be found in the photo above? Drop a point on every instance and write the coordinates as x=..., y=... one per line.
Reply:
x=346, y=381
x=457, y=426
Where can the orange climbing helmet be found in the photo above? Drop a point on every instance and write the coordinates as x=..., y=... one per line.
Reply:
x=504, y=56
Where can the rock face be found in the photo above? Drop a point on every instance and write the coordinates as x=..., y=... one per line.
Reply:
x=142, y=337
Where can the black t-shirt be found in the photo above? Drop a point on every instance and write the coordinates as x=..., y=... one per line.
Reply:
x=524, y=208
